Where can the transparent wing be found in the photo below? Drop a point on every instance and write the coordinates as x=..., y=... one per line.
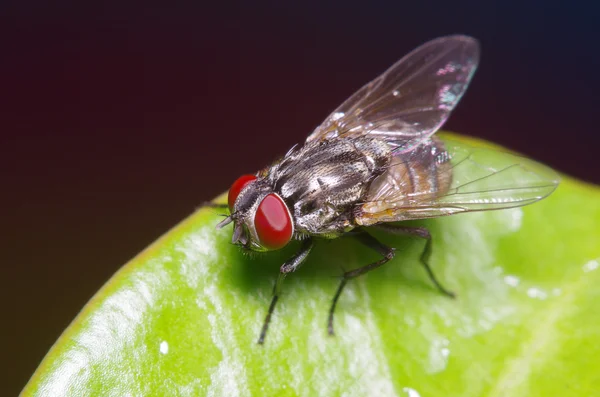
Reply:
x=412, y=99
x=430, y=182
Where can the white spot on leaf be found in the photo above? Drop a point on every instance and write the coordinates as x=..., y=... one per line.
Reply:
x=591, y=266
x=411, y=392
x=164, y=347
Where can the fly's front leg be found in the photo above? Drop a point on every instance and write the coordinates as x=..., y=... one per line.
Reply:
x=424, y=234
x=371, y=242
x=210, y=204
x=221, y=206
x=288, y=267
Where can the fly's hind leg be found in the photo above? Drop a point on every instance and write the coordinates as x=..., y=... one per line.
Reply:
x=424, y=234
x=387, y=253
x=288, y=267
x=371, y=242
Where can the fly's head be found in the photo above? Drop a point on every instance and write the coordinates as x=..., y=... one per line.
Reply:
x=262, y=220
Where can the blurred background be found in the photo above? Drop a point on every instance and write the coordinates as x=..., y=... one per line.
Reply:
x=117, y=120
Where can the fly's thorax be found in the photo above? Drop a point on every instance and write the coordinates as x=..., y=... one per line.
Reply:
x=248, y=213
x=377, y=153
x=323, y=181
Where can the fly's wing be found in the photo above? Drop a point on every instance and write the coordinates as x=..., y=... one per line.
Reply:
x=432, y=181
x=412, y=99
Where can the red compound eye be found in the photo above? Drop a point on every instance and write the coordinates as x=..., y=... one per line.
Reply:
x=237, y=187
x=273, y=223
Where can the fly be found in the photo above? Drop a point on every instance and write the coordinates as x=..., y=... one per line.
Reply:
x=375, y=161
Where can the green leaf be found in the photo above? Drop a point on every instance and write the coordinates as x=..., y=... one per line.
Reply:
x=183, y=317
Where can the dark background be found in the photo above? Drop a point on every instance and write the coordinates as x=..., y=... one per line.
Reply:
x=117, y=120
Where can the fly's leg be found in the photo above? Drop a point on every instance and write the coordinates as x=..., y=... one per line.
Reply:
x=371, y=242
x=387, y=253
x=210, y=204
x=424, y=234
x=221, y=206
x=288, y=267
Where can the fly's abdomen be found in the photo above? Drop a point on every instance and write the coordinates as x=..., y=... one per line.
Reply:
x=412, y=178
x=429, y=171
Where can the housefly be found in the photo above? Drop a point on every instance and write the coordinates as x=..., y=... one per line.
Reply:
x=375, y=161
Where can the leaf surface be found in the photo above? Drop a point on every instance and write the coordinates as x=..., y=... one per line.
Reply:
x=183, y=317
